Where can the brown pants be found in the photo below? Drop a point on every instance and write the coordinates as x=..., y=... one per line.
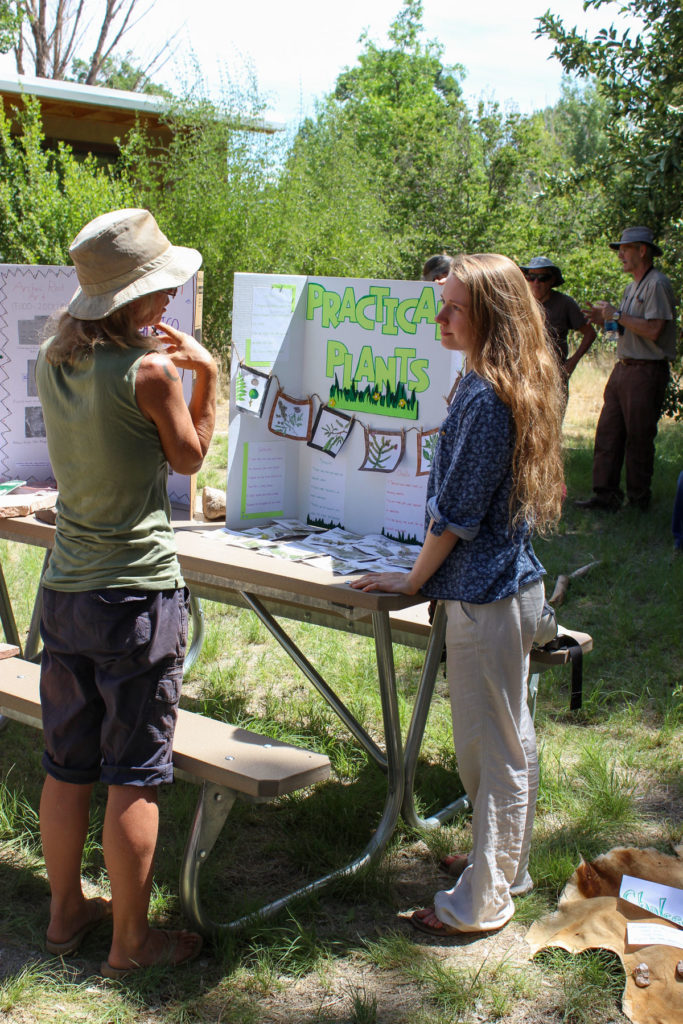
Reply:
x=627, y=428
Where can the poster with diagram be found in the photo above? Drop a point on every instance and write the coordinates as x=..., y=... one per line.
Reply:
x=358, y=389
x=29, y=295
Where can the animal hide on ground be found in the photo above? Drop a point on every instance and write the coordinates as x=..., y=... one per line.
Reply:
x=590, y=915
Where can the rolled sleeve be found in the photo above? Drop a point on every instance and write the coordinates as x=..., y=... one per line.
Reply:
x=440, y=523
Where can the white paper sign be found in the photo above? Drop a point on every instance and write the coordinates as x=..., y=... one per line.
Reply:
x=644, y=933
x=365, y=349
x=662, y=900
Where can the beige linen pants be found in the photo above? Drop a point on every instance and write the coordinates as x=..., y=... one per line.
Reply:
x=487, y=649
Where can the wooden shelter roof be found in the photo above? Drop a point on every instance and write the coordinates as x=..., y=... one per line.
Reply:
x=90, y=118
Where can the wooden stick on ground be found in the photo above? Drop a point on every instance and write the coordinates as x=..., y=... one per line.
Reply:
x=562, y=585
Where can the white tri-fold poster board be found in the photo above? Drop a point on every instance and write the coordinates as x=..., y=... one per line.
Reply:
x=338, y=389
x=29, y=295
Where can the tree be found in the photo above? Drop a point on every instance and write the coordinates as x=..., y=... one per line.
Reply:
x=53, y=31
x=640, y=78
x=46, y=196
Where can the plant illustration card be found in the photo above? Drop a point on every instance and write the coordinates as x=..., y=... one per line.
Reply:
x=251, y=389
x=427, y=441
x=383, y=450
x=291, y=417
x=330, y=430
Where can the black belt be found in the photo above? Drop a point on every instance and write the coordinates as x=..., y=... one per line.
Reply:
x=643, y=362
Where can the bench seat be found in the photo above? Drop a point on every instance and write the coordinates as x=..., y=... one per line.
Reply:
x=227, y=762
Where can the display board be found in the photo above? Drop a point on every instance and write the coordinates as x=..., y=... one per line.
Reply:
x=338, y=389
x=29, y=295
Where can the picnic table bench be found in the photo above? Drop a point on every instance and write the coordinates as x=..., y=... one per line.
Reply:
x=226, y=762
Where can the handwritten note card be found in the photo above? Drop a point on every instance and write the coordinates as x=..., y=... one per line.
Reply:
x=644, y=933
x=263, y=485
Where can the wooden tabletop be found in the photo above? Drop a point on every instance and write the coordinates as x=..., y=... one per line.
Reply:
x=219, y=566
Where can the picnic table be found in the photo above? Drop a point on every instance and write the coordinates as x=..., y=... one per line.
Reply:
x=276, y=590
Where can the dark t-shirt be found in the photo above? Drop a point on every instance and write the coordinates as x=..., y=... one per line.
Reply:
x=562, y=315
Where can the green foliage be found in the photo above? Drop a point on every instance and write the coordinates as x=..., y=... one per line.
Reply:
x=10, y=21
x=208, y=189
x=45, y=196
x=639, y=78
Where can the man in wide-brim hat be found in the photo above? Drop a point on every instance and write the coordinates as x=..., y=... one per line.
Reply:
x=627, y=427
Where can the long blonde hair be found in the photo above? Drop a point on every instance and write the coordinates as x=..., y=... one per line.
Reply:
x=75, y=339
x=513, y=352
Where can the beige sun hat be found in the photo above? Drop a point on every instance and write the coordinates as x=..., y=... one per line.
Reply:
x=122, y=256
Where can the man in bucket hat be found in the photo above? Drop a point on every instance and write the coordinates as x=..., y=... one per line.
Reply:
x=634, y=394
x=562, y=313
x=114, y=621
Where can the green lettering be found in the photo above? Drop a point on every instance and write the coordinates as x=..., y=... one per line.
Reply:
x=390, y=327
x=426, y=307
x=348, y=364
x=385, y=372
x=314, y=299
x=380, y=293
x=406, y=325
x=419, y=368
x=336, y=354
x=403, y=355
x=330, y=308
x=361, y=318
x=348, y=306
x=365, y=368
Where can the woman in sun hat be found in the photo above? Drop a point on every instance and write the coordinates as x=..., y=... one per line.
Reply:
x=114, y=622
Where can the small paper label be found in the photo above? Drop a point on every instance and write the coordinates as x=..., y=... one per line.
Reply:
x=644, y=933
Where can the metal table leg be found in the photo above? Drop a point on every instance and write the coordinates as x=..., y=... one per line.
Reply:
x=416, y=730
x=197, y=613
x=215, y=803
x=299, y=659
x=9, y=624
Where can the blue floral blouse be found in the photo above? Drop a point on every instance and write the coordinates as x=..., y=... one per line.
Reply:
x=468, y=493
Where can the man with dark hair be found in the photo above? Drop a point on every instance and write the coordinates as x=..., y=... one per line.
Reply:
x=634, y=394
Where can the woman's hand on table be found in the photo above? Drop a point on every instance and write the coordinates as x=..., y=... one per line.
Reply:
x=388, y=582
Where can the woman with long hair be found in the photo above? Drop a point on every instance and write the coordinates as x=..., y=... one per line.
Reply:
x=495, y=480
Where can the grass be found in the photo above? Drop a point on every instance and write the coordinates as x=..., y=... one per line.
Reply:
x=610, y=775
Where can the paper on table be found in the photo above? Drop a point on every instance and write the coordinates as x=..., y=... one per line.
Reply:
x=645, y=933
x=662, y=900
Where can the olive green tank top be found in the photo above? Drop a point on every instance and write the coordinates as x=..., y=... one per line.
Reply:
x=113, y=512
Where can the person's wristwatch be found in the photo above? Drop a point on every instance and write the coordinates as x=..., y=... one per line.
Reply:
x=616, y=316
